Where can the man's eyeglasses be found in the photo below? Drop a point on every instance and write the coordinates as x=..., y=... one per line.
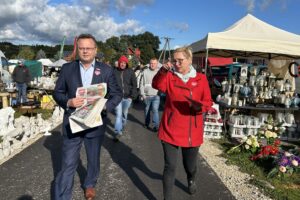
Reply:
x=86, y=49
x=178, y=60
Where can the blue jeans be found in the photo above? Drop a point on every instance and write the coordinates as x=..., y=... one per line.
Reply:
x=121, y=114
x=153, y=102
x=22, y=92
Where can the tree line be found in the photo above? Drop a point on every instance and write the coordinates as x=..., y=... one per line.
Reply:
x=110, y=50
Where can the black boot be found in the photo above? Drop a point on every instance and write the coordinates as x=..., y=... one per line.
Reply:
x=192, y=186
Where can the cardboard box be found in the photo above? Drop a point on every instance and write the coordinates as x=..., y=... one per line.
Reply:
x=47, y=98
x=48, y=105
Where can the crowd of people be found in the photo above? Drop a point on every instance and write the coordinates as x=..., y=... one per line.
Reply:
x=187, y=98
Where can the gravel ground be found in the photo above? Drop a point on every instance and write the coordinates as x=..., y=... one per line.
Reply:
x=234, y=180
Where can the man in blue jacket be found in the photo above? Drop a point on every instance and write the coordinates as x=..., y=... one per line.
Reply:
x=83, y=72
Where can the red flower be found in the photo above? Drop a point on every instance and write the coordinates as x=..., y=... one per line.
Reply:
x=277, y=142
x=274, y=150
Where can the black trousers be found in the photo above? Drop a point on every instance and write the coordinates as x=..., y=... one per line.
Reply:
x=189, y=159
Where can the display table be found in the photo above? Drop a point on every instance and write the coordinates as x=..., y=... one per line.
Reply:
x=27, y=109
x=4, y=96
x=227, y=109
x=258, y=107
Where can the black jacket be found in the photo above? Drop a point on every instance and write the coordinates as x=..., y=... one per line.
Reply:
x=127, y=81
x=21, y=74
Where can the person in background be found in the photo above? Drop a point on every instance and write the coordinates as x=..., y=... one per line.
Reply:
x=107, y=62
x=83, y=72
x=138, y=74
x=138, y=71
x=116, y=64
x=127, y=81
x=188, y=96
x=21, y=75
x=150, y=95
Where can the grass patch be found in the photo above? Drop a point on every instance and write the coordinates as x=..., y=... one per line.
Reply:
x=281, y=188
x=46, y=114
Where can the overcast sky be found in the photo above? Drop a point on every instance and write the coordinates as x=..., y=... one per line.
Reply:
x=48, y=21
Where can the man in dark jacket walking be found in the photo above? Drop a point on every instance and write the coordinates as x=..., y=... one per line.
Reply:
x=21, y=76
x=83, y=72
x=127, y=81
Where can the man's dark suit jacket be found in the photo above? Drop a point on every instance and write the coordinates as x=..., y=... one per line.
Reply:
x=70, y=79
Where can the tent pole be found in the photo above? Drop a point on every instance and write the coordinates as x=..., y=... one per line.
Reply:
x=206, y=61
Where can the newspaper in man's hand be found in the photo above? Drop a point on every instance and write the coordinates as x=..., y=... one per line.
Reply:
x=92, y=92
x=89, y=115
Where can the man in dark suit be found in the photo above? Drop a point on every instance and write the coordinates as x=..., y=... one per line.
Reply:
x=83, y=72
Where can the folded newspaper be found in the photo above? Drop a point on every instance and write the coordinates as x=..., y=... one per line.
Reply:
x=89, y=115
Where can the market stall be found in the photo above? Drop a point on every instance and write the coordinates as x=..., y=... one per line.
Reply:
x=253, y=88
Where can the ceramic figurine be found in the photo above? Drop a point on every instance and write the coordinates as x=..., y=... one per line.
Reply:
x=224, y=85
x=296, y=100
x=287, y=85
x=254, y=70
x=288, y=101
x=245, y=90
x=279, y=85
x=281, y=98
x=252, y=80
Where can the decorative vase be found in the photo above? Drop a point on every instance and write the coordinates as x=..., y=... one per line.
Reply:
x=287, y=85
x=288, y=102
x=296, y=100
x=224, y=85
x=245, y=90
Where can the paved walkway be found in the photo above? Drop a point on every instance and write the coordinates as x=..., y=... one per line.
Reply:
x=130, y=169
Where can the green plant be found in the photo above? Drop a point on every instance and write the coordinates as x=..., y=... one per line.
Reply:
x=277, y=187
x=46, y=114
x=286, y=164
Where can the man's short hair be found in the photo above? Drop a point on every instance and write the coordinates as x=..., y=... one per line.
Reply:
x=87, y=36
x=153, y=59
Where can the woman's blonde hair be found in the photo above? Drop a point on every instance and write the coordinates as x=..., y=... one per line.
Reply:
x=186, y=50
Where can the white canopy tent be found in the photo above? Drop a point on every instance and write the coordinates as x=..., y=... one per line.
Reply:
x=58, y=63
x=45, y=61
x=250, y=37
x=2, y=54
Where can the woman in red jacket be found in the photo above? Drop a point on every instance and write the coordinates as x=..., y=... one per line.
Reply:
x=187, y=98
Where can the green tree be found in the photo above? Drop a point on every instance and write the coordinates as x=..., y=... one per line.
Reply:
x=114, y=43
x=109, y=54
x=147, y=53
x=57, y=55
x=10, y=50
x=148, y=44
x=26, y=52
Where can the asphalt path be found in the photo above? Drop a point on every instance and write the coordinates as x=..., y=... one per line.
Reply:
x=131, y=169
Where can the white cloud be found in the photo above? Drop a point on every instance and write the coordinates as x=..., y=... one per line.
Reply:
x=32, y=21
x=262, y=4
x=250, y=4
x=126, y=6
x=122, y=6
x=179, y=26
